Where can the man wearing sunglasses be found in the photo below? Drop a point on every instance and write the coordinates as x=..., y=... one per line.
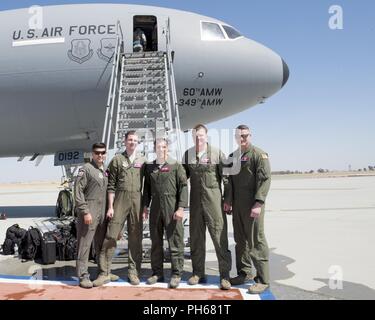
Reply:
x=246, y=194
x=125, y=181
x=90, y=201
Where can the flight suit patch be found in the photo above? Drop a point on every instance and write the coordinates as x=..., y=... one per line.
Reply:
x=101, y=175
x=165, y=169
x=206, y=161
x=137, y=165
x=245, y=158
x=81, y=172
x=125, y=165
x=264, y=156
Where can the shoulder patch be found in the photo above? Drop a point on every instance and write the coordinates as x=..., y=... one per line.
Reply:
x=81, y=172
x=165, y=169
x=264, y=156
x=206, y=160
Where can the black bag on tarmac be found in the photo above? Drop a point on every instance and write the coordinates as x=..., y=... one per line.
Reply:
x=71, y=249
x=8, y=247
x=60, y=246
x=30, y=247
x=66, y=242
x=14, y=235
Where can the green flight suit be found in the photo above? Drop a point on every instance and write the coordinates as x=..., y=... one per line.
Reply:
x=166, y=186
x=250, y=185
x=125, y=179
x=206, y=209
x=90, y=193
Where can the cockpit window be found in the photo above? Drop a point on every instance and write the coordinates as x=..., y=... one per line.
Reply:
x=212, y=31
x=231, y=32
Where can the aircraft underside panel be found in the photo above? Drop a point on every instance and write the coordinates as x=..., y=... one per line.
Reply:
x=47, y=122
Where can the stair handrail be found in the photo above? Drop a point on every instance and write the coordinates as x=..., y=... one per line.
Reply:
x=112, y=92
x=174, y=102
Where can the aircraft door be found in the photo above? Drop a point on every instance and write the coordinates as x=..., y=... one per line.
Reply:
x=163, y=23
x=146, y=33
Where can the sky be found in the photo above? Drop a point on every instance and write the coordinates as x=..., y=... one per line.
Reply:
x=324, y=117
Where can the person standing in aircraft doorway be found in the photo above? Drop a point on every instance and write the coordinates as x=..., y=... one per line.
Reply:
x=246, y=194
x=139, y=40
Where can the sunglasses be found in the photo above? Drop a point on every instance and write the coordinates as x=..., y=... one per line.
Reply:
x=244, y=136
x=100, y=153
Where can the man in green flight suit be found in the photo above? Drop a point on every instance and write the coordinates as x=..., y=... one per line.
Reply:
x=166, y=186
x=125, y=180
x=246, y=194
x=90, y=192
x=204, y=166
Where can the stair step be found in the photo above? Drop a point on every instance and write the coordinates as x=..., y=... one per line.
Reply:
x=142, y=104
x=141, y=130
x=142, y=95
x=137, y=112
x=134, y=92
x=149, y=60
x=125, y=116
x=144, y=88
x=142, y=133
x=156, y=100
x=143, y=66
x=147, y=54
x=145, y=74
x=149, y=101
x=147, y=104
x=143, y=80
x=140, y=117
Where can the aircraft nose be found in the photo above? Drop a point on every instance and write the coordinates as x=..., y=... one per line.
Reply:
x=285, y=73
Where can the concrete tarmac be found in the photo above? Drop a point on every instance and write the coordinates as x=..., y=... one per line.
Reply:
x=319, y=230
x=321, y=235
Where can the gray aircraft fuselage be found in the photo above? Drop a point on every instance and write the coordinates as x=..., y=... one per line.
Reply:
x=54, y=80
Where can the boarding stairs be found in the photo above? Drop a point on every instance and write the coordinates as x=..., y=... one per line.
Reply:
x=143, y=98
